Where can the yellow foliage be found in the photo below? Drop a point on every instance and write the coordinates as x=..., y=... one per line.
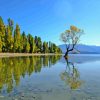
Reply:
x=75, y=85
x=66, y=57
x=74, y=28
x=68, y=31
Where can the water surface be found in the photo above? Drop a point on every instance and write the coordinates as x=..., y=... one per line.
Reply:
x=50, y=78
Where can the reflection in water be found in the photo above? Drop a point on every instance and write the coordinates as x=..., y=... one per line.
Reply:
x=12, y=69
x=71, y=76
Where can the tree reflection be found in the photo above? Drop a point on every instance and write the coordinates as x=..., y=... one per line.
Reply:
x=71, y=76
x=12, y=69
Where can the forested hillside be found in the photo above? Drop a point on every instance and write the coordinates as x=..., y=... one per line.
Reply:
x=13, y=41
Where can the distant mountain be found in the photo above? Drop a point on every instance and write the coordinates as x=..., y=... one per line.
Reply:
x=84, y=49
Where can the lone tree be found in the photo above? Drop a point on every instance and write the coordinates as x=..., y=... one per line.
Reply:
x=71, y=38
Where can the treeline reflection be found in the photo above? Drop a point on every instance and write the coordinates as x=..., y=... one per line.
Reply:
x=12, y=69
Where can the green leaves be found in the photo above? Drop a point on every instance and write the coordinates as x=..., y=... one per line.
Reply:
x=11, y=40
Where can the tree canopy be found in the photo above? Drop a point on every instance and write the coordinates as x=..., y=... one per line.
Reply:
x=71, y=38
x=12, y=40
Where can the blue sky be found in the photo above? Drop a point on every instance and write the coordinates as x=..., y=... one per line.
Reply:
x=48, y=18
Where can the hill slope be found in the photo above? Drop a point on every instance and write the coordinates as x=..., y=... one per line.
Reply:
x=84, y=49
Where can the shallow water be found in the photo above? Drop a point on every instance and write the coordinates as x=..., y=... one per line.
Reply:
x=50, y=78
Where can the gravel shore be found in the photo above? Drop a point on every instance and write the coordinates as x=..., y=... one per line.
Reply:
x=25, y=54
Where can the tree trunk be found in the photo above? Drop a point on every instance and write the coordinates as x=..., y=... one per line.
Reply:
x=68, y=50
x=66, y=55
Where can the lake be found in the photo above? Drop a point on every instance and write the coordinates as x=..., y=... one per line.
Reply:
x=50, y=78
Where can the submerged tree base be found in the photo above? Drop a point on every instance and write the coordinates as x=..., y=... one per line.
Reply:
x=66, y=56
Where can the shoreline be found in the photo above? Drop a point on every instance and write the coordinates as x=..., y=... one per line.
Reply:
x=26, y=54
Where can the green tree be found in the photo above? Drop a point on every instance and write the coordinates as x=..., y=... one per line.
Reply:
x=27, y=49
x=0, y=45
x=52, y=48
x=37, y=49
x=24, y=41
x=39, y=44
x=10, y=24
x=17, y=38
x=56, y=49
x=2, y=34
x=45, y=47
x=31, y=42
x=33, y=46
x=9, y=39
x=9, y=35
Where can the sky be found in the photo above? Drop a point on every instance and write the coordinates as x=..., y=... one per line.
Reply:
x=49, y=18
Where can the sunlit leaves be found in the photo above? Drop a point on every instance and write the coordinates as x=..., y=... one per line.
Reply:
x=12, y=40
x=71, y=37
x=0, y=45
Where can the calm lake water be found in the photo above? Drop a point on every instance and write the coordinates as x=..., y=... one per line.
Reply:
x=50, y=78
